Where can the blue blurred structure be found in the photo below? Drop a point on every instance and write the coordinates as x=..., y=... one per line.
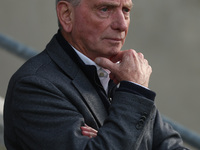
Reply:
x=15, y=47
x=25, y=52
x=187, y=135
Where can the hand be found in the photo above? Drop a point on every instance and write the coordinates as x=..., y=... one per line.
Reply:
x=127, y=66
x=88, y=131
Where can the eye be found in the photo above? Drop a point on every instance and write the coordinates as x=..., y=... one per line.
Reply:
x=104, y=9
x=127, y=10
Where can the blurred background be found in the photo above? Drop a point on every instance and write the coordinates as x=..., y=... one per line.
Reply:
x=167, y=32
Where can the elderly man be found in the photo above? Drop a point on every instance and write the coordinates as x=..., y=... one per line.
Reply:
x=82, y=85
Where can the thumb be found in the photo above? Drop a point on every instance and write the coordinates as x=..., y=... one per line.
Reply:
x=105, y=63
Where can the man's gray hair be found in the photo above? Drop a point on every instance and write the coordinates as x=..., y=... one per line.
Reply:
x=73, y=2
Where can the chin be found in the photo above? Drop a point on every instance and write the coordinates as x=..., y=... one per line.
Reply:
x=108, y=53
x=115, y=51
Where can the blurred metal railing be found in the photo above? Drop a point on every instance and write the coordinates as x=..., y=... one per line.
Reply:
x=15, y=47
x=189, y=136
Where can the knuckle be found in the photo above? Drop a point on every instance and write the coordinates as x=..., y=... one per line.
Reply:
x=131, y=51
x=150, y=69
x=140, y=54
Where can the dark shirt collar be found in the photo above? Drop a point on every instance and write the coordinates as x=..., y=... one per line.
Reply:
x=70, y=51
x=89, y=70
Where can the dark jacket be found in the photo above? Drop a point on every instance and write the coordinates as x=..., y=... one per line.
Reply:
x=49, y=98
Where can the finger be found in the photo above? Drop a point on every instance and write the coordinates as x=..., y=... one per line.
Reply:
x=141, y=55
x=88, y=131
x=146, y=62
x=89, y=134
x=150, y=69
x=120, y=55
x=88, y=128
x=105, y=63
x=117, y=57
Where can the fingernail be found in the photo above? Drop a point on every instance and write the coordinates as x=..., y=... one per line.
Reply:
x=97, y=60
x=83, y=127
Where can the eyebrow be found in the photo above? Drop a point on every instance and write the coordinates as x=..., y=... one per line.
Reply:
x=113, y=4
x=129, y=5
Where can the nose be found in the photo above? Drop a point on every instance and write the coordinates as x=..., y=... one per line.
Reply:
x=120, y=22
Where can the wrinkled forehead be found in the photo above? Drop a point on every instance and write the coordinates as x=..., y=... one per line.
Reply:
x=127, y=3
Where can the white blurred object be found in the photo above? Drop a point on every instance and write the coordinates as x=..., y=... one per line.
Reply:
x=1, y=105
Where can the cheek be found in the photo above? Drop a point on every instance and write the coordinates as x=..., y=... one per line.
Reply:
x=86, y=27
x=95, y=26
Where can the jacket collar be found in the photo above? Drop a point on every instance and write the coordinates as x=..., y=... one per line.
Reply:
x=68, y=62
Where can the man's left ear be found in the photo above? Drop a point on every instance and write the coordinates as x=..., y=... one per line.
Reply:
x=65, y=15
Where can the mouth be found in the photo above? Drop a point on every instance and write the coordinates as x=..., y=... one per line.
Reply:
x=114, y=40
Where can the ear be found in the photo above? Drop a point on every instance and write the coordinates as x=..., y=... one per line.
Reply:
x=65, y=15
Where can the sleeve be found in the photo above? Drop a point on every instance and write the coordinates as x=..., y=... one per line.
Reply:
x=164, y=136
x=45, y=119
x=137, y=89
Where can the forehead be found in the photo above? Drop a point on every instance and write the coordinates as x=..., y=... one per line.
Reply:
x=127, y=3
